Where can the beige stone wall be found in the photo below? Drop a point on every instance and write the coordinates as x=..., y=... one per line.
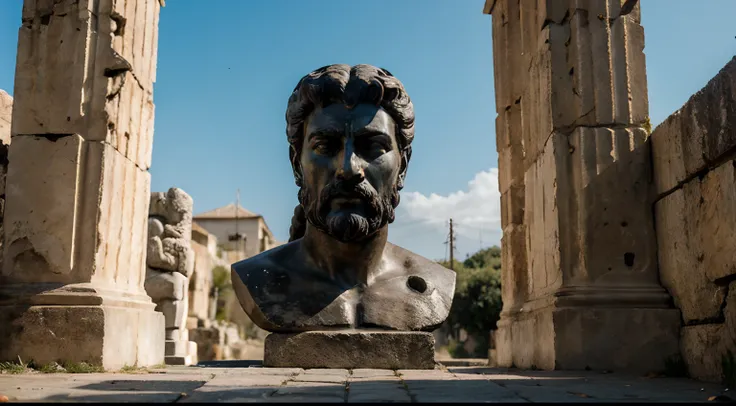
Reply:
x=6, y=113
x=201, y=282
x=253, y=228
x=694, y=153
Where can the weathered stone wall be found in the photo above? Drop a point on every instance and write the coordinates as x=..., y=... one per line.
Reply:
x=694, y=154
x=200, y=284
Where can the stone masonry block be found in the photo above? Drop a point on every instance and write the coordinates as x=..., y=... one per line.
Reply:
x=42, y=188
x=512, y=206
x=52, y=73
x=110, y=336
x=702, y=347
x=541, y=216
x=716, y=219
x=515, y=268
x=120, y=231
x=612, y=195
x=700, y=133
x=677, y=151
x=508, y=128
x=510, y=168
x=349, y=350
x=681, y=266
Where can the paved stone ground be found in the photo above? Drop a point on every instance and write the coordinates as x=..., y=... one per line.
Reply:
x=240, y=381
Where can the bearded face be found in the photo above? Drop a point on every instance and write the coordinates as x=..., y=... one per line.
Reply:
x=350, y=164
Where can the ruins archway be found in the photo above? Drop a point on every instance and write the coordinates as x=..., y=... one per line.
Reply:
x=578, y=247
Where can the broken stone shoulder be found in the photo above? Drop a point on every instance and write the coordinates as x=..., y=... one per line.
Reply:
x=415, y=295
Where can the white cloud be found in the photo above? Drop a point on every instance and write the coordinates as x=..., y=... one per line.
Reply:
x=474, y=210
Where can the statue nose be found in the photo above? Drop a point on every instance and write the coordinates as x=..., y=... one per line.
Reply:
x=351, y=168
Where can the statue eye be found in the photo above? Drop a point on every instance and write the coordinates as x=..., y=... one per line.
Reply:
x=381, y=145
x=322, y=147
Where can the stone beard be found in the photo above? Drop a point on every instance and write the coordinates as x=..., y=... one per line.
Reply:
x=349, y=227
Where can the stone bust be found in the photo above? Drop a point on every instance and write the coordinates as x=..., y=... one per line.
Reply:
x=350, y=131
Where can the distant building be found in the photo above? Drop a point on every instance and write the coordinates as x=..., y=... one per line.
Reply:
x=224, y=222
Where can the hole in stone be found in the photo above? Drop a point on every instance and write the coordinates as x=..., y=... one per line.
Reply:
x=624, y=224
x=45, y=20
x=572, y=71
x=416, y=283
x=605, y=224
x=629, y=259
x=68, y=118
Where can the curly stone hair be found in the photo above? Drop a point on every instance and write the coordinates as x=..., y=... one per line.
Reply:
x=351, y=86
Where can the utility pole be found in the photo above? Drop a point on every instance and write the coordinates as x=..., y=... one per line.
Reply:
x=452, y=248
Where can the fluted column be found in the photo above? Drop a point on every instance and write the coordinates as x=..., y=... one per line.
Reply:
x=78, y=186
x=581, y=287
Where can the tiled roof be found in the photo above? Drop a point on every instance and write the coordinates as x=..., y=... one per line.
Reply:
x=226, y=212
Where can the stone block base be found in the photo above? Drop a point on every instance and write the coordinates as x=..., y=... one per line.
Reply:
x=350, y=349
x=628, y=339
x=180, y=353
x=104, y=335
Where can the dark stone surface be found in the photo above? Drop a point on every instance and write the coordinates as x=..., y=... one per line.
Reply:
x=350, y=131
x=350, y=349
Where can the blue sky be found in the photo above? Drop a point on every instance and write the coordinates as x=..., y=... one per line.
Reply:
x=226, y=69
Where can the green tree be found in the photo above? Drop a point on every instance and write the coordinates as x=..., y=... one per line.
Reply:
x=476, y=305
x=487, y=257
x=221, y=280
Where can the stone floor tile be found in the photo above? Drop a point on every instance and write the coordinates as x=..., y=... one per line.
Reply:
x=325, y=371
x=369, y=373
x=323, y=375
x=230, y=394
x=381, y=396
x=310, y=392
x=255, y=384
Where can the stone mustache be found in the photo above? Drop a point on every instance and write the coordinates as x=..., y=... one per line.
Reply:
x=350, y=131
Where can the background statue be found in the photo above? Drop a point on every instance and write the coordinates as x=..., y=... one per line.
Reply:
x=350, y=131
x=169, y=264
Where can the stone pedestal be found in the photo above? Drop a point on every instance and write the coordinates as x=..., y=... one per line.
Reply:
x=350, y=349
x=580, y=279
x=71, y=287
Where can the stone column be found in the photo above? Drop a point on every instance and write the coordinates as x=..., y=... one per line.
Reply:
x=580, y=278
x=71, y=288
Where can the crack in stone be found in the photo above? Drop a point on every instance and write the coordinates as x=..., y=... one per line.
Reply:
x=711, y=165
